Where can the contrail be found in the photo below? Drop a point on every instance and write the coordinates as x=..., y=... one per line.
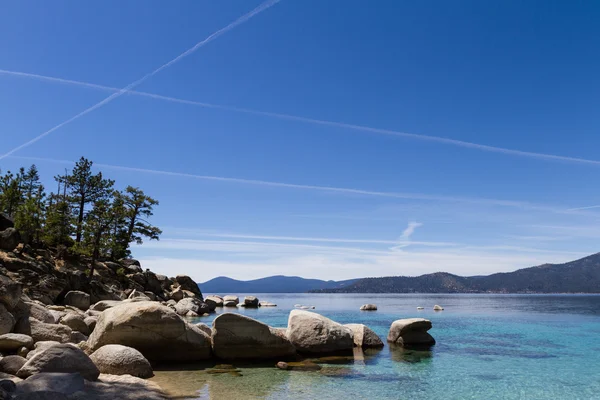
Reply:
x=583, y=208
x=326, y=189
x=314, y=121
x=134, y=84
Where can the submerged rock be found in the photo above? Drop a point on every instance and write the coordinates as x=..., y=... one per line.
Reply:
x=236, y=336
x=298, y=366
x=411, y=332
x=313, y=333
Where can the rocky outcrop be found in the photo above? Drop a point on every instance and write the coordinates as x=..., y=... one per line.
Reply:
x=411, y=332
x=153, y=329
x=77, y=299
x=313, y=333
x=236, y=336
x=115, y=359
x=11, y=342
x=364, y=337
x=60, y=358
x=187, y=283
x=368, y=307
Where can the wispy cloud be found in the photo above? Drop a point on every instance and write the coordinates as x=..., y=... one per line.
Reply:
x=138, y=82
x=204, y=260
x=355, y=127
x=327, y=189
x=410, y=229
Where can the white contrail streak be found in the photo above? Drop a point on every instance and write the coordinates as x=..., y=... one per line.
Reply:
x=362, y=128
x=134, y=84
x=326, y=189
x=583, y=208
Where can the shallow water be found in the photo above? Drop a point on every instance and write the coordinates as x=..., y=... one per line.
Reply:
x=488, y=347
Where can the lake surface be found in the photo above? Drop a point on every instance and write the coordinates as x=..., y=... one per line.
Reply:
x=488, y=347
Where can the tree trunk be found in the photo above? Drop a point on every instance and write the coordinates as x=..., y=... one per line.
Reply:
x=80, y=219
x=95, y=253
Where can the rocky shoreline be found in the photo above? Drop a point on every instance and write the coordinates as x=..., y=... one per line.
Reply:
x=66, y=336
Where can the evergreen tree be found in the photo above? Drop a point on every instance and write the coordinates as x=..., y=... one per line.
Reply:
x=138, y=207
x=85, y=188
x=12, y=193
x=97, y=224
x=30, y=215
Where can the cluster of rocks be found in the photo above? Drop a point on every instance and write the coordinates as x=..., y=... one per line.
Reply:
x=234, y=301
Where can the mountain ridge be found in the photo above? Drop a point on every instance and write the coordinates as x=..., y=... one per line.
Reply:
x=269, y=284
x=578, y=276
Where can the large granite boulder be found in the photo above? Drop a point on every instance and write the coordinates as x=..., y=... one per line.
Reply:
x=7, y=321
x=58, y=383
x=115, y=359
x=187, y=283
x=136, y=294
x=76, y=322
x=251, y=302
x=236, y=336
x=60, y=358
x=184, y=306
x=77, y=299
x=214, y=301
x=9, y=239
x=153, y=329
x=231, y=301
x=11, y=364
x=364, y=337
x=411, y=332
x=10, y=292
x=122, y=387
x=12, y=342
x=41, y=331
x=105, y=305
x=313, y=333
x=40, y=313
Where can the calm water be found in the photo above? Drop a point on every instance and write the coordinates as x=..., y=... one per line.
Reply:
x=489, y=347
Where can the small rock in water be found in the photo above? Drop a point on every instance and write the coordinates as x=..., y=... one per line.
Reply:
x=297, y=305
x=437, y=308
x=420, y=308
x=368, y=307
x=298, y=366
x=267, y=304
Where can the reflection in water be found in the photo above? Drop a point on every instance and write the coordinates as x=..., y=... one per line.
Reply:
x=221, y=381
x=401, y=354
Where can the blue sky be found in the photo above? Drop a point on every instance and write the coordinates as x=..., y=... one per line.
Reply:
x=311, y=139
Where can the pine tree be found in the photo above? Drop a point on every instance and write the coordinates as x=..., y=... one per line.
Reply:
x=29, y=216
x=97, y=224
x=12, y=192
x=85, y=188
x=138, y=207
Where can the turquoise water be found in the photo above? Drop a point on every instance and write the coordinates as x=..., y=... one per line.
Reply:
x=488, y=347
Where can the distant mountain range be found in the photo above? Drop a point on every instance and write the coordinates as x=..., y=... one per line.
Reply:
x=271, y=284
x=580, y=276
